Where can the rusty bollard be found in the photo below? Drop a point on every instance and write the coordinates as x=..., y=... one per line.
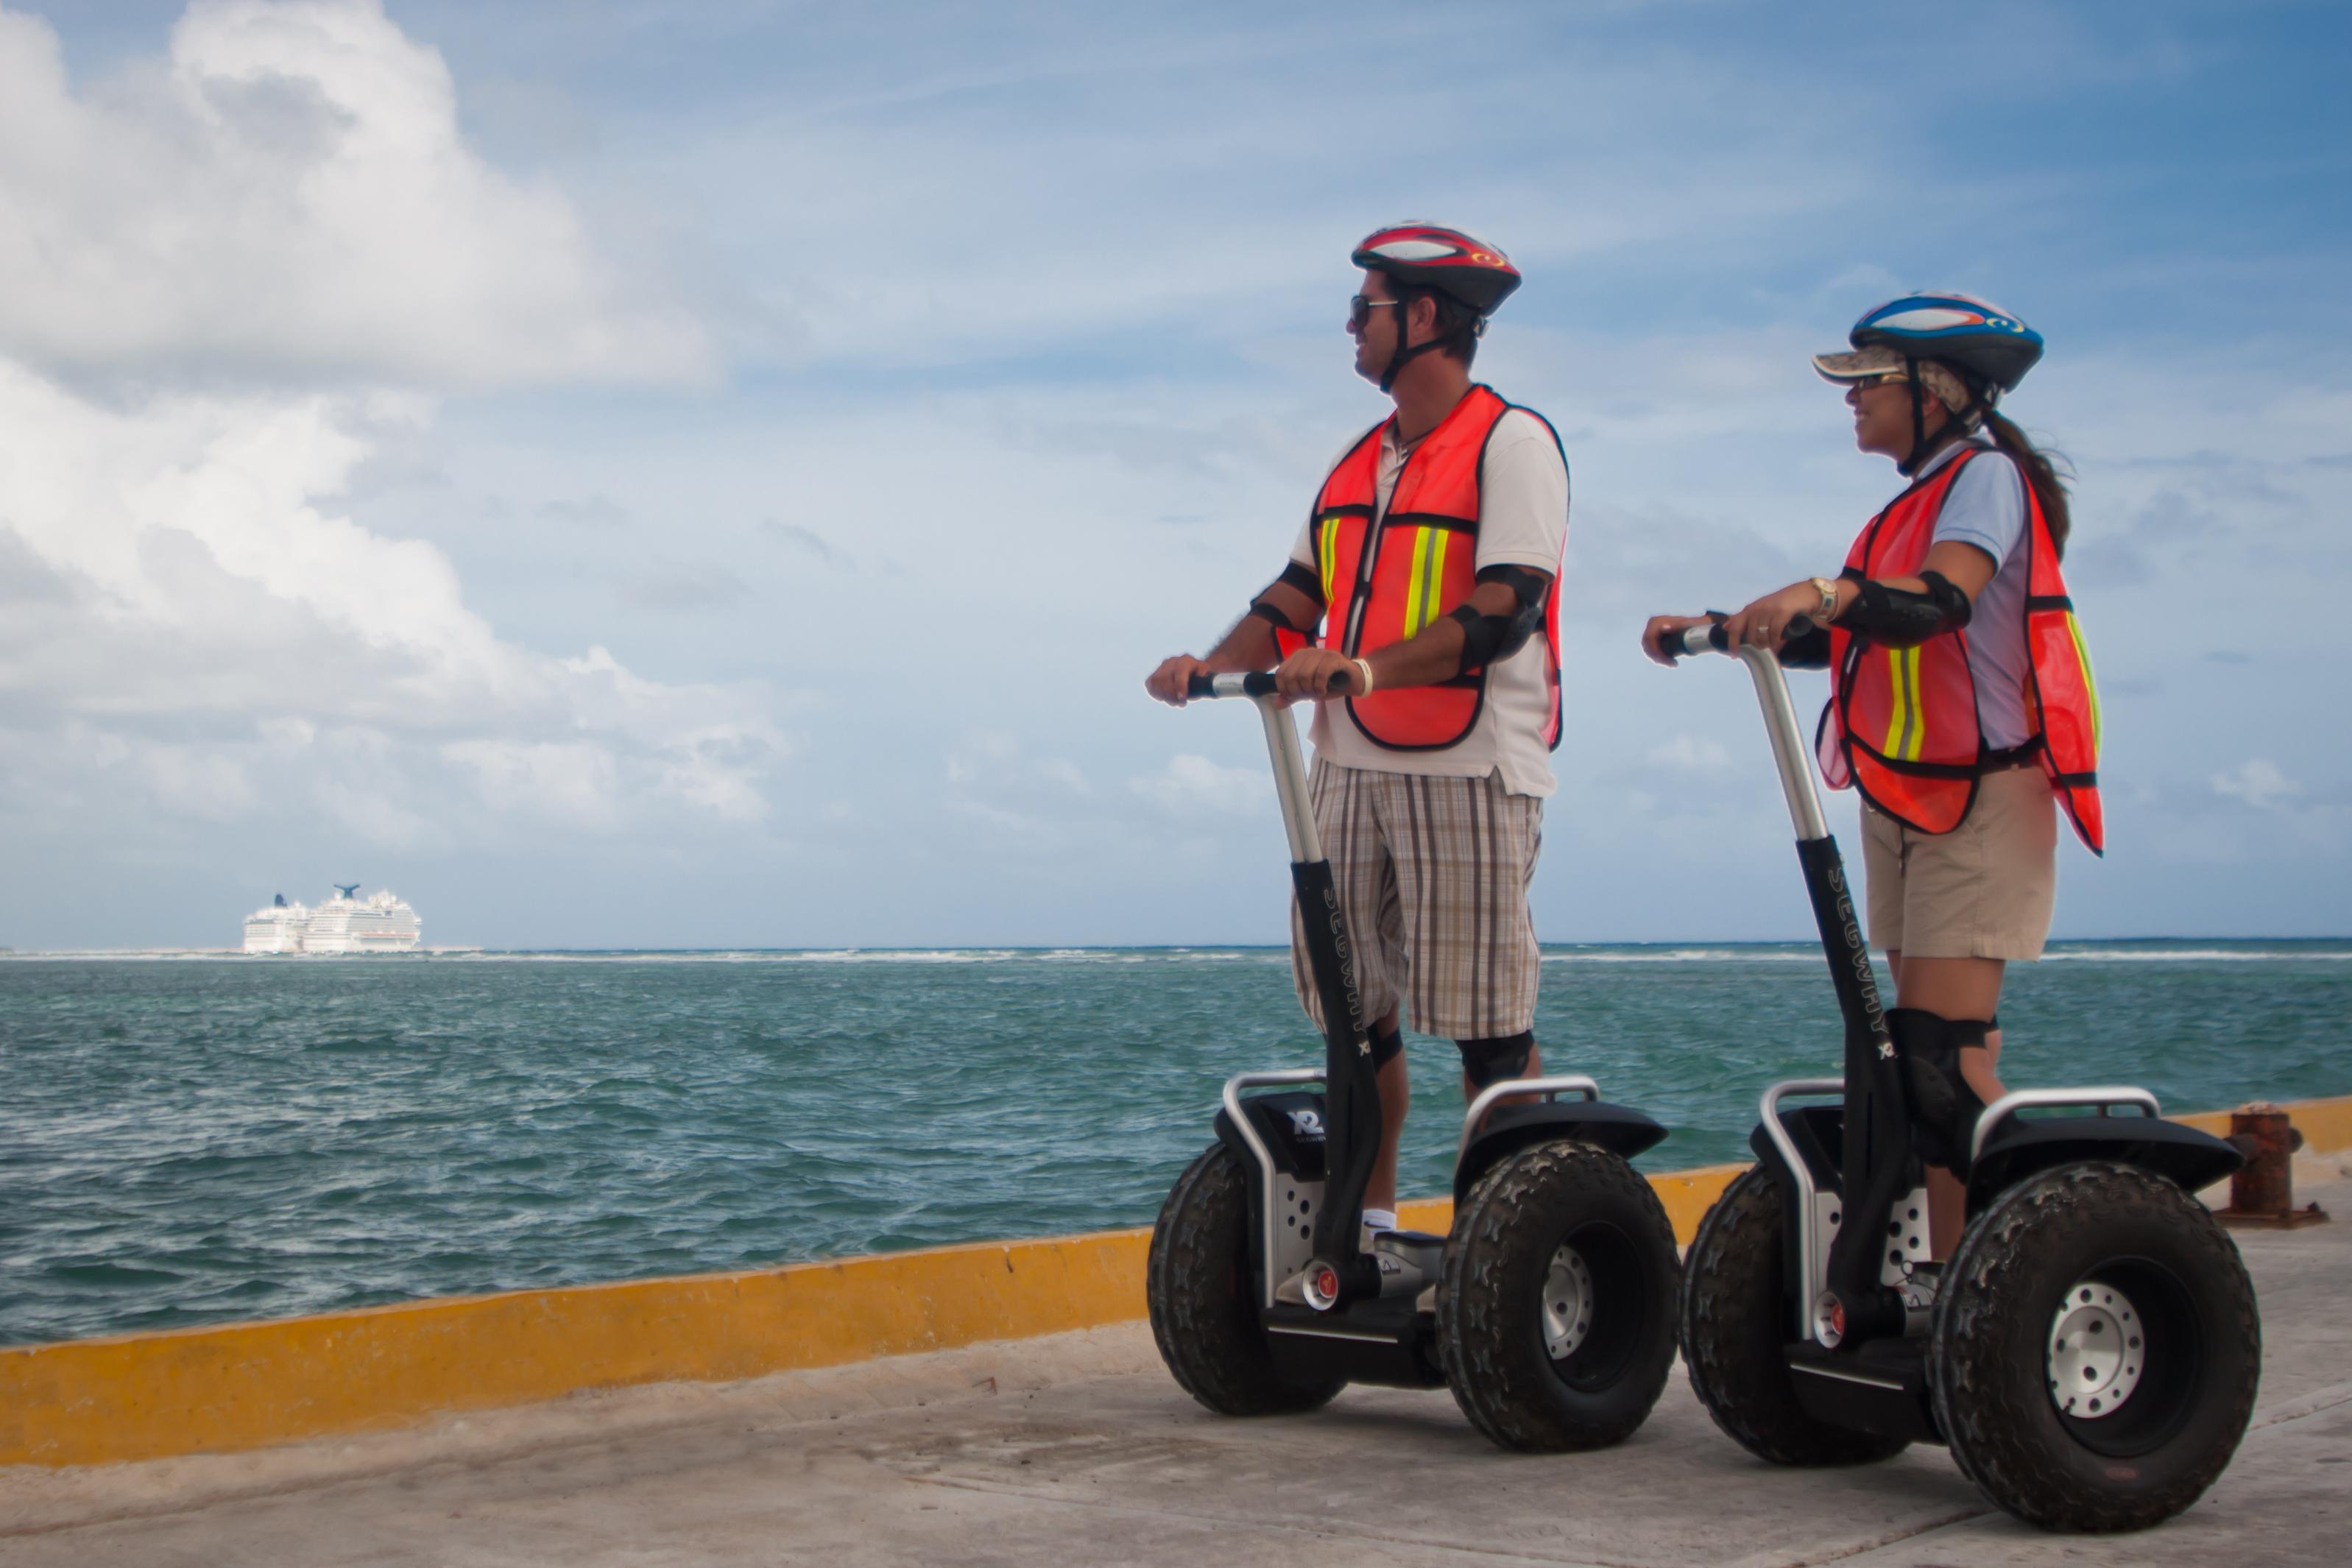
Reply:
x=2261, y=1192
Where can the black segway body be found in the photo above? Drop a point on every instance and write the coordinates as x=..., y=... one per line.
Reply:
x=1547, y=1309
x=2090, y=1352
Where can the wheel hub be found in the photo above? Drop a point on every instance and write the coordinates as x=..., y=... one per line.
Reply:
x=2097, y=1351
x=1566, y=1303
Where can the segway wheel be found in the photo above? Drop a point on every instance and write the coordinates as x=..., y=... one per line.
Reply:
x=1735, y=1320
x=1203, y=1315
x=2094, y=1349
x=1555, y=1302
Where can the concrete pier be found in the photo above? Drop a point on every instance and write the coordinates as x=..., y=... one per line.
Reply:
x=1075, y=1448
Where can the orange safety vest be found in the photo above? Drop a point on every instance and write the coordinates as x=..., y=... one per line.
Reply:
x=1901, y=723
x=1387, y=581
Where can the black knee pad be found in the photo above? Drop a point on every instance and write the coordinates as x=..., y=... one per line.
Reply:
x=1944, y=1108
x=1387, y=1047
x=1493, y=1060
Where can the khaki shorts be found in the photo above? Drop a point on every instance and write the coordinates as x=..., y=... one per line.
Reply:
x=1983, y=890
x=1433, y=877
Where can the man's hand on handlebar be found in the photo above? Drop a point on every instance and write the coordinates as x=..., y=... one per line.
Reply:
x=1168, y=682
x=1314, y=672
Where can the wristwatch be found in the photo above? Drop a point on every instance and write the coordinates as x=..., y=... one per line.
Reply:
x=1827, y=591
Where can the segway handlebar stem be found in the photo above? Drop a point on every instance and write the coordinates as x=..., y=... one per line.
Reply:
x=1875, y=1154
x=1350, y=1087
x=1789, y=751
x=1282, y=746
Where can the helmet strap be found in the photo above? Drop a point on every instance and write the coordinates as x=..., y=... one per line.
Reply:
x=1398, y=359
x=1918, y=453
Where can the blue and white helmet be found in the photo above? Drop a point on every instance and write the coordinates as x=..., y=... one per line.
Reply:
x=1990, y=348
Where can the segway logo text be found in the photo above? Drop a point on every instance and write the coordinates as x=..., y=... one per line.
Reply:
x=1347, y=952
x=1858, y=957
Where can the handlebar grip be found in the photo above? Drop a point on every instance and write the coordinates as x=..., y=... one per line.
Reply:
x=1252, y=683
x=1693, y=640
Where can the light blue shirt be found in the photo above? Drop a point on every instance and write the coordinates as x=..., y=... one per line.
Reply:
x=1986, y=508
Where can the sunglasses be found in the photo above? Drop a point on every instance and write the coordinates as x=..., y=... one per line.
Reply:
x=1359, y=311
x=1884, y=378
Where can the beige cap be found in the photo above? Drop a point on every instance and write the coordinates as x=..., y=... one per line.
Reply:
x=1879, y=359
x=1875, y=360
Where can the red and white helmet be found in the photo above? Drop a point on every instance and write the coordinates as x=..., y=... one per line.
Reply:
x=1428, y=256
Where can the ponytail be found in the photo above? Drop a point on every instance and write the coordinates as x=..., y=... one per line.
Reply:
x=2039, y=471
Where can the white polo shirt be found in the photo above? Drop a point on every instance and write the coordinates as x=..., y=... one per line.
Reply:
x=1522, y=521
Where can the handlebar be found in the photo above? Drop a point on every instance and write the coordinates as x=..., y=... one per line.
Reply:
x=1701, y=639
x=1251, y=683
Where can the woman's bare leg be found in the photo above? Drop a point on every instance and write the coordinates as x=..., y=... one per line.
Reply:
x=1953, y=988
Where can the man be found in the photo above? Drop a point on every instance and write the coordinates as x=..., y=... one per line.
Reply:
x=1424, y=584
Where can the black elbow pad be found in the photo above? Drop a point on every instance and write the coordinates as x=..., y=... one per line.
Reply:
x=1811, y=651
x=1899, y=617
x=1303, y=579
x=1529, y=586
x=1294, y=576
x=1487, y=638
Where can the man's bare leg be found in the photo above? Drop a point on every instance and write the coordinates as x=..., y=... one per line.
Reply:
x=1396, y=1089
x=1396, y=1092
x=1533, y=1070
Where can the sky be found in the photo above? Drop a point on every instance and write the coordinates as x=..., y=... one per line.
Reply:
x=647, y=474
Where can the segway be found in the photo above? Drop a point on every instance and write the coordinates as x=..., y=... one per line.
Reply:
x=2090, y=1352
x=1548, y=1310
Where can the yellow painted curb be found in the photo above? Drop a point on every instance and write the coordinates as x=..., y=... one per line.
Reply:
x=250, y=1386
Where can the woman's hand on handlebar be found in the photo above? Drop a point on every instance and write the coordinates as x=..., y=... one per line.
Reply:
x=1764, y=623
x=1168, y=682
x=1663, y=625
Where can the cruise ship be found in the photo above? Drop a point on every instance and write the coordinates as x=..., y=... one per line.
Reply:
x=381, y=922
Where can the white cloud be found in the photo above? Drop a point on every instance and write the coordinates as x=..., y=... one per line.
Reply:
x=288, y=191
x=2258, y=783
x=261, y=233
x=173, y=564
x=1193, y=785
x=1690, y=754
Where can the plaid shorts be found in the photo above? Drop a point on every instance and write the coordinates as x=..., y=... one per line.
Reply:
x=1433, y=877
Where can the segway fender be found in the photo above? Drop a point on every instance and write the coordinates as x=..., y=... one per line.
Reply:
x=1819, y=1133
x=1620, y=1129
x=2020, y=1148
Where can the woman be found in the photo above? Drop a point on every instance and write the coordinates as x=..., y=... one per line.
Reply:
x=1961, y=698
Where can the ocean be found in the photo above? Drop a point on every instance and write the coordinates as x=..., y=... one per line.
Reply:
x=197, y=1139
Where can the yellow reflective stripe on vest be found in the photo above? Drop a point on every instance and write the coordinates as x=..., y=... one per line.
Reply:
x=1423, y=587
x=1906, y=728
x=2090, y=687
x=1327, y=557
